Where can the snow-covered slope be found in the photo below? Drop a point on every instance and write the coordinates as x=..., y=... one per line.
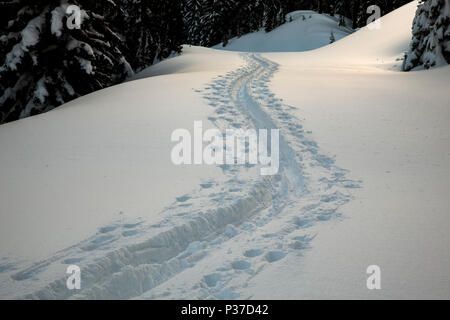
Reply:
x=98, y=163
x=363, y=179
x=304, y=30
x=391, y=130
x=367, y=47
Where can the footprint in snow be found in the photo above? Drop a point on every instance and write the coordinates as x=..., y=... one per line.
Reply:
x=252, y=253
x=206, y=185
x=183, y=198
x=274, y=256
x=240, y=265
x=211, y=280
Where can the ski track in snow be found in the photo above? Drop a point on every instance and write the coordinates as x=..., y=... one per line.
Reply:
x=215, y=240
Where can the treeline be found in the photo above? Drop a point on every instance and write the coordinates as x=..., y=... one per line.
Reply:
x=44, y=63
x=209, y=22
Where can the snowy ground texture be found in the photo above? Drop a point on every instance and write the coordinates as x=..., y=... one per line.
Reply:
x=304, y=30
x=364, y=174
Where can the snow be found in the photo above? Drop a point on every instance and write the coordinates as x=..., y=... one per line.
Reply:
x=366, y=48
x=73, y=44
x=86, y=65
x=101, y=160
x=391, y=130
x=30, y=37
x=300, y=34
x=364, y=174
x=57, y=20
x=396, y=140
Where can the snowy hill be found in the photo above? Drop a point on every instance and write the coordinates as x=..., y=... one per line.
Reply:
x=364, y=177
x=391, y=130
x=304, y=30
x=382, y=47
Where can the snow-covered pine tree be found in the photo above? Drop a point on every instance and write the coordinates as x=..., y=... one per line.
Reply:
x=216, y=22
x=44, y=64
x=358, y=14
x=166, y=27
x=274, y=14
x=246, y=17
x=332, y=7
x=133, y=18
x=430, y=45
x=223, y=19
x=192, y=13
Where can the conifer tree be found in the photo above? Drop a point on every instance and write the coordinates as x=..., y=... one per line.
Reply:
x=430, y=45
x=274, y=14
x=43, y=63
x=192, y=13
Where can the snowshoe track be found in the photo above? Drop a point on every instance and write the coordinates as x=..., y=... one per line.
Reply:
x=192, y=252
